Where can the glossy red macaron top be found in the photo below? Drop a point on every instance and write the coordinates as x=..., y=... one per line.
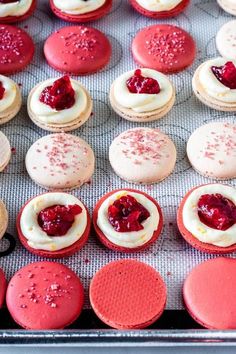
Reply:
x=210, y=291
x=16, y=49
x=77, y=50
x=128, y=294
x=165, y=48
x=45, y=295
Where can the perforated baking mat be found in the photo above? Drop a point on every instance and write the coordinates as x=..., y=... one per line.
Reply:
x=170, y=255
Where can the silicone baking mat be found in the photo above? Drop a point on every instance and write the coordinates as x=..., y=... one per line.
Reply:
x=171, y=255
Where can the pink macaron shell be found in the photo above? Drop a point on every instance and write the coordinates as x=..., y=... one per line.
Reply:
x=77, y=50
x=209, y=293
x=165, y=48
x=160, y=14
x=13, y=19
x=3, y=287
x=128, y=294
x=16, y=49
x=86, y=17
x=45, y=295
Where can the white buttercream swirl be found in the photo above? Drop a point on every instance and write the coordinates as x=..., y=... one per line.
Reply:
x=9, y=93
x=158, y=5
x=198, y=229
x=78, y=7
x=49, y=115
x=131, y=239
x=212, y=85
x=17, y=8
x=141, y=102
x=36, y=237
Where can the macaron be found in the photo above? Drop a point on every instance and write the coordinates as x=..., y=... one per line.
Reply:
x=209, y=293
x=5, y=151
x=127, y=220
x=59, y=105
x=165, y=48
x=157, y=9
x=214, y=84
x=206, y=218
x=10, y=99
x=211, y=150
x=142, y=155
x=226, y=40
x=80, y=10
x=53, y=225
x=60, y=162
x=77, y=50
x=228, y=6
x=3, y=220
x=3, y=285
x=128, y=294
x=44, y=296
x=142, y=95
x=16, y=11
x=16, y=49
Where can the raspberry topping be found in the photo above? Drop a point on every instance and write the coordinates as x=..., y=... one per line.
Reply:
x=216, y=211
x=226, y=74
x=58, y=219
x=140, y=84
x=126, y=214
x=2, y=90
x=60, y=95
x=7, y=1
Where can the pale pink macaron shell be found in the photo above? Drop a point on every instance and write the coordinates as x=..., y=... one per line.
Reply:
x=5, y=151
x=211, y=150
x=142, y=155
x=60, y=161
x=226, y=40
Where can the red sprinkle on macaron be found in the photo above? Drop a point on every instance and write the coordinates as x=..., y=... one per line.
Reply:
x=60, y=95
x=165, y=48
x=58, y=219
x=140, y=84
x=217, y=211
x=226, y=74
x=127, y=214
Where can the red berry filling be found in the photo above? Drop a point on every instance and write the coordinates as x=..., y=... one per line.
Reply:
x=60, y=95
x=127, y=214
x=7, y=1
x=58, y=219
x=140, y=84
x=2, y=90
x=226, y=74
x=216, y=211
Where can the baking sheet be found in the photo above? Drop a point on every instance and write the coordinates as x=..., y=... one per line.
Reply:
x=171, y=255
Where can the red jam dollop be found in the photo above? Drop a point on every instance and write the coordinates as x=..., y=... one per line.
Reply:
x=216, y=211
x=8, y=1
x=2, y=90
x=140, y=84
x=60, y=95
x=126, y=214
x=226, y=74
x=58, y=219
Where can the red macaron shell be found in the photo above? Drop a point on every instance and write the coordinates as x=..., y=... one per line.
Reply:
x=16, y=49
x=3, y=287
x=128, y=294
x=165, y=48
x=13, y=19
x=107, y=243
x=45, y=295
x=193, y=241
x=77, y=50
x=90, y=16
x=65, y=252
x=209, y=293
x=161, y=14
